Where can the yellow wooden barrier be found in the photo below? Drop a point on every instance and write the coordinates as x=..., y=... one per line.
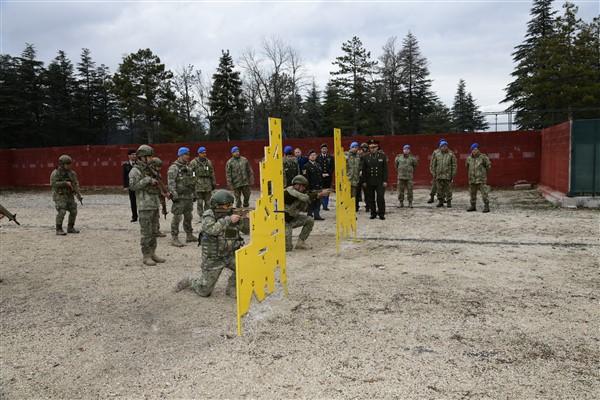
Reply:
x=345, y=204
x=256, y=263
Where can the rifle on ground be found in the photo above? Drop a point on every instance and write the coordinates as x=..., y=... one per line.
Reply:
x=9, y=215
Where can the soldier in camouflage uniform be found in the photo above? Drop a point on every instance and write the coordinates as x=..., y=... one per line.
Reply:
x=478, y=166
x=182, y=184
x=156, y=165
x=443, y=168
x=220, y=239
x=65, y=187
x=239, y=177
x=433, y=191
x=290, y=166
x=405, y=164
x=145, y=186
x=205, y=180
x=353, y=167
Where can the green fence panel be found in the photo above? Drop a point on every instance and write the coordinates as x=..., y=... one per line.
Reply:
x=585, y=158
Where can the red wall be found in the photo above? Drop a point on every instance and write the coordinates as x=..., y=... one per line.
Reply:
x=515, y=156
x=555, y=166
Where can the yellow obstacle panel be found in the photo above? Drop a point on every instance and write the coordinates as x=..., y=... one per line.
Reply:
x=256, y=263
x=345, y=204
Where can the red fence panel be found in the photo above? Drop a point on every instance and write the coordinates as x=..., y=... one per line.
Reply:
x=556, y=147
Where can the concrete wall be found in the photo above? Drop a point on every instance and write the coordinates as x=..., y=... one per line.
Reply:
x=515, y=156
x=556, y=148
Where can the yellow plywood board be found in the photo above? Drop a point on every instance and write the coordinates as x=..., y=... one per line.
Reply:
x=345, y=204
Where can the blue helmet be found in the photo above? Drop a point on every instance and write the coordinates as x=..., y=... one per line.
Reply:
x=182, y=151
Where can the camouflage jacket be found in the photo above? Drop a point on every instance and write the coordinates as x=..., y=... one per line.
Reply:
x=220, y=237
x=58, y=181
x=443, y=165
x=140, y=182
x=204, y=173
x=294, y=202
x=290, y=170
x=477, y=168
x=239, y=172
x=181, y=181
x=405, y=165
x=353, y=167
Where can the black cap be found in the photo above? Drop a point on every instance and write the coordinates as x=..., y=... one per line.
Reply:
x=324, y=145
x=373, y=141
x=311, y=151
x=130, y=152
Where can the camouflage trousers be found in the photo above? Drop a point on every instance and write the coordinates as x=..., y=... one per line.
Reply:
x=148, y=220
x=305, y=222
x=482, y=187
x=238, y=192
x=433, y=187
x=64, y=204
x=182, y=209
x=202, y=202
x=211, y=270
x=405, y=184
x=444, y=189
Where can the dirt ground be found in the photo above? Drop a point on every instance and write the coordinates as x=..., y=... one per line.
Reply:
x=431, y=303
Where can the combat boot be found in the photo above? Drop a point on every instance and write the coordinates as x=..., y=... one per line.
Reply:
x=231, y=292
x=301, y=245
x=449, y=204
x=189, y=237
x=71, y=229
x=147, y=259
x=175, y=241
x=410, y=204
x=160, y=234
x=156, y=258
x=431, y=199
x=59, y=231
x=184, y=283
x=486, y=207
x=440, y=203
x=472, y=208
x=401, y=204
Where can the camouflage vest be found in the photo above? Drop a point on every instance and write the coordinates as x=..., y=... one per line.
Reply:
x=223, y=245
x=185, y=183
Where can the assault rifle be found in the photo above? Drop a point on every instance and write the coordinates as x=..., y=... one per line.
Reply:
x=75, y=192
x=164, y=190
x=9, y=215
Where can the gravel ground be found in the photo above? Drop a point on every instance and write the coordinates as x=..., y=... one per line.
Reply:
x=430, y=303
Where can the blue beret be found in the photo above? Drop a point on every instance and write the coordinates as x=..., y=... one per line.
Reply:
x=182, y=151
x=234, y=149
x=443, y=140
x=474, y=146
x=201, y=149
x=406, y=146
x=443, y=143
x=287, y=148
x=353, y=145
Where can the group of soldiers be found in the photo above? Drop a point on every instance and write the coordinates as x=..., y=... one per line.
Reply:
x=307, y=182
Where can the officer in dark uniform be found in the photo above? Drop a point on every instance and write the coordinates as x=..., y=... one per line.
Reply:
x=375, y=175
x=126, y=170
x=327, y=164
x=312, y=172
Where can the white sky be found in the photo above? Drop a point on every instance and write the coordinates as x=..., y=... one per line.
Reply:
x=472, y=40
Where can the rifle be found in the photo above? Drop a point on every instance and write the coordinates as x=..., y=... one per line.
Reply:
x=9, y=215
x=164, y=190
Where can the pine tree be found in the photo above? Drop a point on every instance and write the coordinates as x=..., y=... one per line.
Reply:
x=312, y=114
x=61, y=121
x=226, y=101
x=466, y=116
x=11, y=117
x=389, y=87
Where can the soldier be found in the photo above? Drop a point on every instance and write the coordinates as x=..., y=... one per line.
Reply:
x=300, y=158
x=147, y=190
x=65, y=188
x=220, y=239
x=182, y=185
x=478, y=166
x=375, y=173
x=290, y=166
x=126, y=170
x=362, y=151
x=296, y=200
x=239, y=177
x=433, y=191
x=353, y=167
x=443, y=168
x=405, y=164
x=327, y=164
x=156, y=165
x=312, y=173
x=205, y=180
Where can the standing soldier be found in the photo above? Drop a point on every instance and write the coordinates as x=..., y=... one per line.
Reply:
x=327, y=164
x=375, y=173
x=205, y=180
x=239, y=177
x=443, y=168
x=362, y=196
x=478, y=166
x=405, y=164
x=65, y=188
x=147, y=190
x=312, y=172
x=156, y=165
x=220, y=239
x=126, y=170
x=181, y=183
x=353, y=167
x=290, y=166
x=433, y=191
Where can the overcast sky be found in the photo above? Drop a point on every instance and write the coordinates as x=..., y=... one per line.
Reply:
x=470, y=40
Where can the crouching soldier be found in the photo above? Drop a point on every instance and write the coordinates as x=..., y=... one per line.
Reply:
x=65, y=187
x=296, y=200
x=220, y=239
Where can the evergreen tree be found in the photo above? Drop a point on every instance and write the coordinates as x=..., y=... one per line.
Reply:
x=226, y=101
x=61, y=122
x=11, y=118
x=389, y=90
x=353, y=83
x=439, y=120
x=337, y=110
x=465, y=114
x=312, y=114
x=106, y=113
